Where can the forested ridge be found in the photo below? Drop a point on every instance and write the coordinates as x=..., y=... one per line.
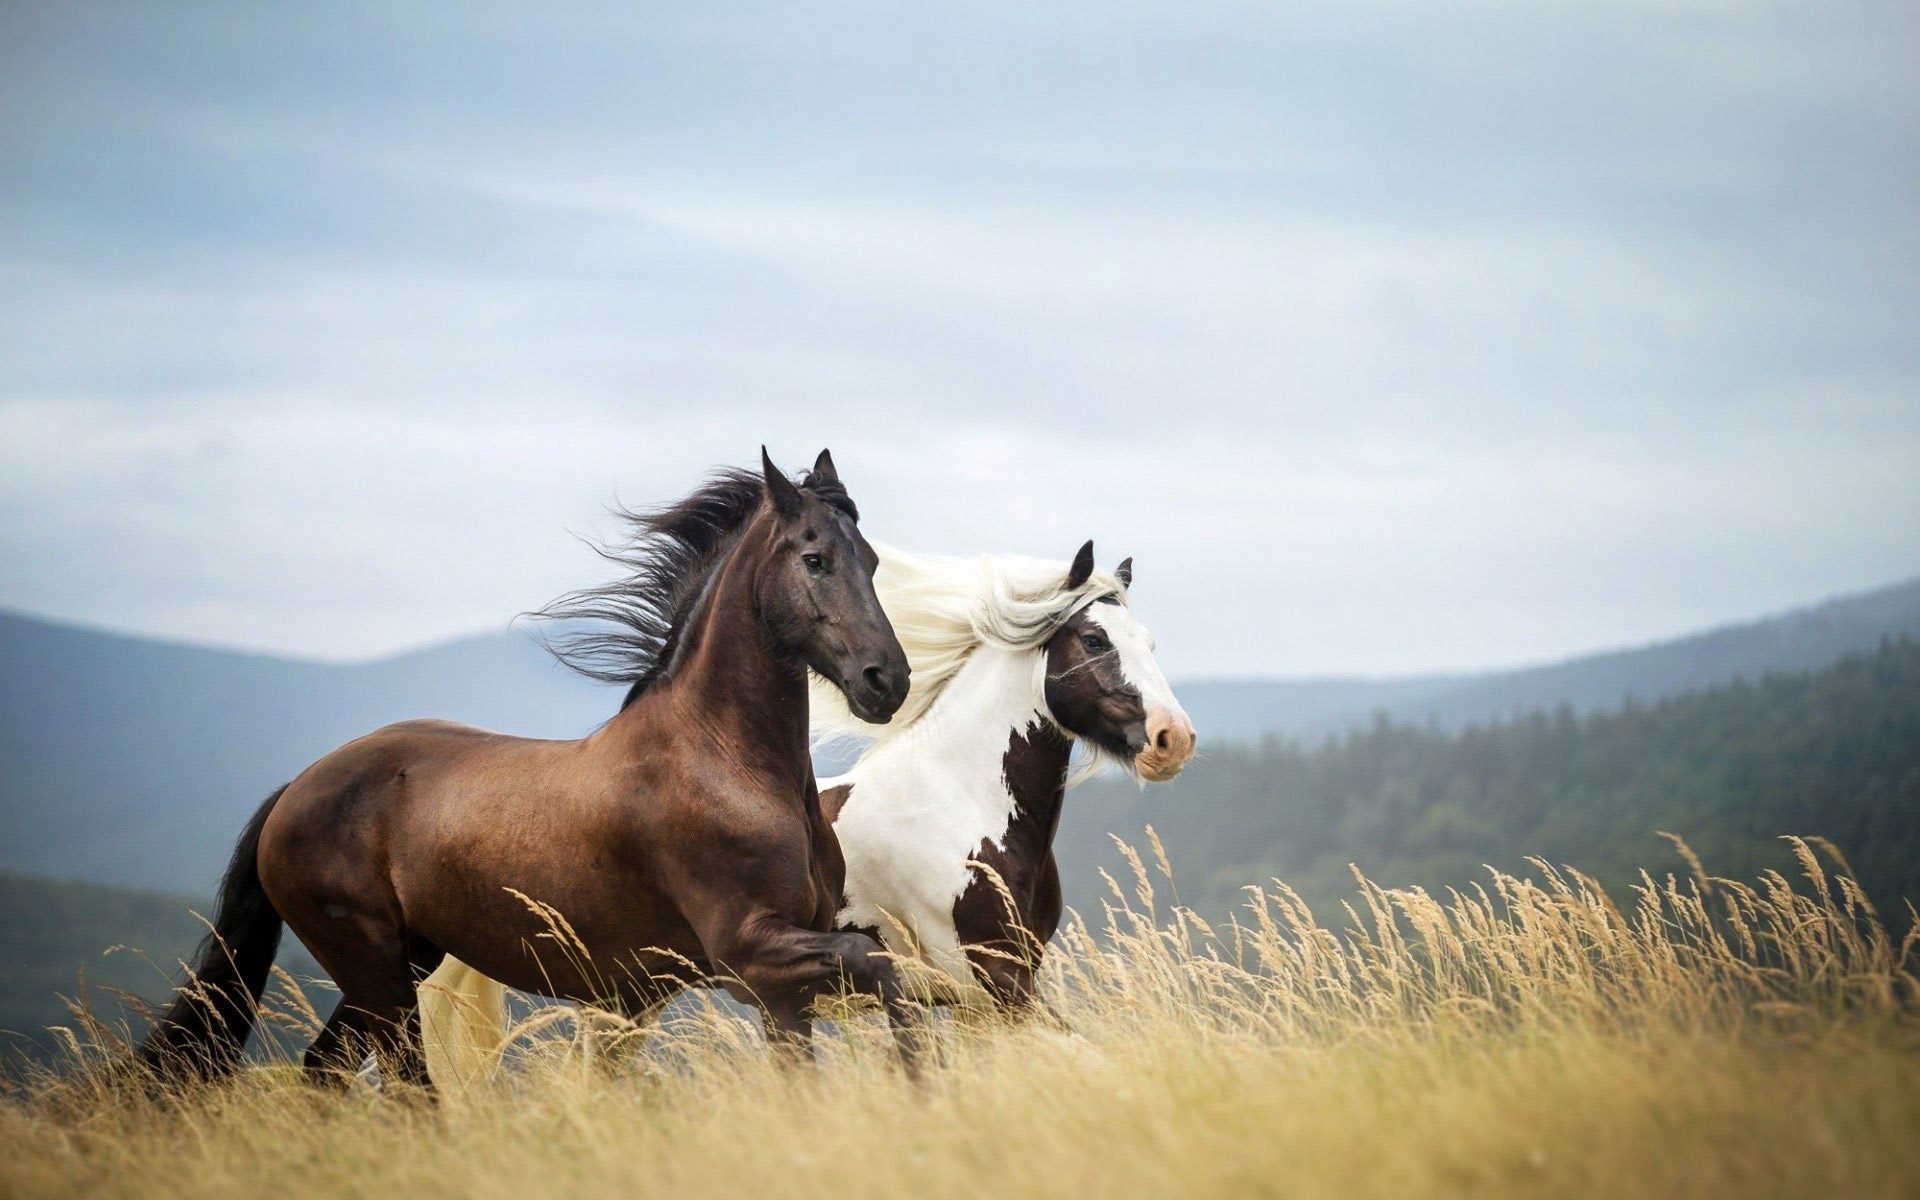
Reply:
x=1833, y=752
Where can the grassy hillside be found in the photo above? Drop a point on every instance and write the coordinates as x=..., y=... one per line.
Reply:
x=1698, y=1035
x=1835, y=750
x=1540, y=1044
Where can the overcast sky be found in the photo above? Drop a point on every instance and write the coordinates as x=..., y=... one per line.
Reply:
x=1386, y=337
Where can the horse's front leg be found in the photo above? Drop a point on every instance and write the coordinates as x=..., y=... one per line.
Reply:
x=789, y=1024
x=1014, y=986
x=785, y=968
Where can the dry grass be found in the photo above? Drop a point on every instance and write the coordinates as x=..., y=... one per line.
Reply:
x=1714, y=1038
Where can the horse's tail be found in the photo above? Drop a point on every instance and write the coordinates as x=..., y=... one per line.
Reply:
x=463, y=1017
x=205, y=1030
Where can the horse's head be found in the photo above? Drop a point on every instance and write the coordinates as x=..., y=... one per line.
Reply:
x=816, y=591
x=1102, y=682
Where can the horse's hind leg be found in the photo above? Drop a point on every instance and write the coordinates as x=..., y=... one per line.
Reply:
x=378, y=1011
x=335, y=1055
x=396, y=1042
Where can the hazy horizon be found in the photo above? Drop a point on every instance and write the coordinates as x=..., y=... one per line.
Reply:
x=520, y=624
x=1388, y=339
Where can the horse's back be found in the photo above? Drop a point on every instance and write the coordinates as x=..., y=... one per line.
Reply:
x=387, y=756
x=424, y=732
x=348, y=811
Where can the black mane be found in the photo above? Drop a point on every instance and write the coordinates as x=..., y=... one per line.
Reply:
x=634, y=622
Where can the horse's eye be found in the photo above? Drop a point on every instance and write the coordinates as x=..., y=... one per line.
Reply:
x=1095, y=644
x=814, y=562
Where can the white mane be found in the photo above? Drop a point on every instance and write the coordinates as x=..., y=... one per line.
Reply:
x=942, y=607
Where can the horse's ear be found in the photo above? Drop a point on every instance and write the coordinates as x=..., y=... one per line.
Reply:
x=823, y=468
x=1082, y=568
x=1124, y=572
x=780, y=489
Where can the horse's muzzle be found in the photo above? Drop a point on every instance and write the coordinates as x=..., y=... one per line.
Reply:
x=876, y=693
x=1171, y=740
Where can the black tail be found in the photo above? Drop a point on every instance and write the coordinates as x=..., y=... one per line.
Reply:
x=206, y=1029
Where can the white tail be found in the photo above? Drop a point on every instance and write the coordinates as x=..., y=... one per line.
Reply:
x=463, y=1019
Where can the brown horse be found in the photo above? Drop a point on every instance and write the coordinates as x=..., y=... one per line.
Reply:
x=681, y=841
x=947, y=821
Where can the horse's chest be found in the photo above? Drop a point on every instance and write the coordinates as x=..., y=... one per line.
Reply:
x=908, y=850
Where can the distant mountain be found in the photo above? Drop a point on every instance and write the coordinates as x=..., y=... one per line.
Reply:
x=135, y=762
x=1796, y=641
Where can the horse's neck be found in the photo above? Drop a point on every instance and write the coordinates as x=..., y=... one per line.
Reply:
x=728, y=680
x=990, y=722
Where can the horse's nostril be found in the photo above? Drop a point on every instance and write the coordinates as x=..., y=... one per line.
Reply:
x=1160, y=740
x=876, y=678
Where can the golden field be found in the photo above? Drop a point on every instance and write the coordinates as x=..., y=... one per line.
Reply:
x=1704, y=1037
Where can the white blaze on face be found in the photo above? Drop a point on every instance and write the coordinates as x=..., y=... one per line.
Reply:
x=1170, y=734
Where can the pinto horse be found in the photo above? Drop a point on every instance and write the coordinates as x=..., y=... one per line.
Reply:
x=947, y=824
x=682, y=841
x=1015, y=661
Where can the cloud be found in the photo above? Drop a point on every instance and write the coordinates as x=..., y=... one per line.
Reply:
x=1386, y=337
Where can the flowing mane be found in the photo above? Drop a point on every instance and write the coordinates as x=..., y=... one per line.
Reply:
x=625, y=631
x=943, y=607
